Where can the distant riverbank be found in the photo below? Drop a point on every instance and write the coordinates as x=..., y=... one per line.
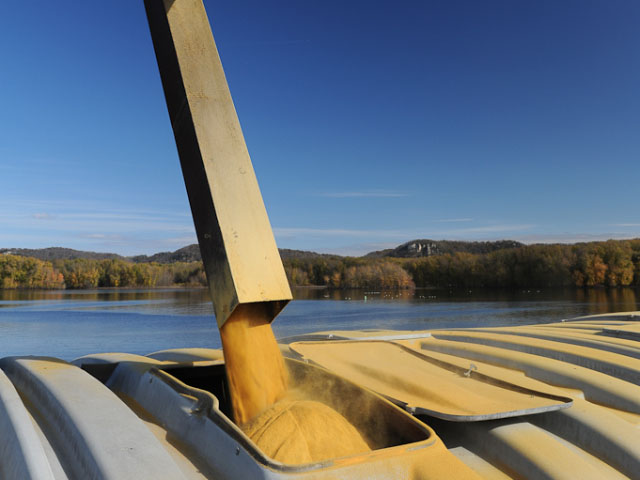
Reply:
x=612, y=264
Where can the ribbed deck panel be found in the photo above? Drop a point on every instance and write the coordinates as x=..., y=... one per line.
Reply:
x=594, y=358
x=594, y=340
x=598, y=437
x=94, y=434
x=61, y=422
x=596, y=386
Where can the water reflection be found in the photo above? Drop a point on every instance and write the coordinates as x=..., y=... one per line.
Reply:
x=170, y=301
x=70, y=323
x=604, y=301
x=196, y=301
x=596, y=300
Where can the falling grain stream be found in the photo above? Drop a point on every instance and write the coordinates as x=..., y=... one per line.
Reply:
x=287, y=427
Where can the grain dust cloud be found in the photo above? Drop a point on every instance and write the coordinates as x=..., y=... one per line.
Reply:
x=286, y=425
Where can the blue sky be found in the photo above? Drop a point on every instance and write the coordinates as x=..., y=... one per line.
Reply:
x=369, y=123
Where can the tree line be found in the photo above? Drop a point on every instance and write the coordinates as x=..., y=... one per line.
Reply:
x=347, y=272
x=27, y=272
x=613, y=263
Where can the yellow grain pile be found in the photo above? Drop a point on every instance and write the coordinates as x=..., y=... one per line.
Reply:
x=304, y=431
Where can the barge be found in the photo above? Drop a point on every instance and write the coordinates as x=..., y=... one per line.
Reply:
x=549, y=401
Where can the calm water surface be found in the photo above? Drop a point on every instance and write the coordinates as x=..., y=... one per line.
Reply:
x=72, y=323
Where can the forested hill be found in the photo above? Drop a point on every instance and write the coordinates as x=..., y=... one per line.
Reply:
x=427, y=248
x=287, y=254
x=419, y=263
x=190, y=253
x=59, y=253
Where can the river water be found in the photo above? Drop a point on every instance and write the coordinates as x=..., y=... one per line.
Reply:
x=71, y=323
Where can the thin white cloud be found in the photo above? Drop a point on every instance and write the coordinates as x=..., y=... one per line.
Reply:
x=407, y=235
x=42, y=216
x=358, y=249
x=454, y=220
x=574, y=237
x=62, y=224
x=364, y=194
x=94, y=226
x=125, y=216
x=102, y=236
x=73, y=208
x=626, y=225
x=492, y=229
x=181, y=241
x=333, y=232
x=99, y=220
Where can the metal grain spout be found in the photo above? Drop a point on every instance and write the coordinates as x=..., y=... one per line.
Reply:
x=240, y=256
